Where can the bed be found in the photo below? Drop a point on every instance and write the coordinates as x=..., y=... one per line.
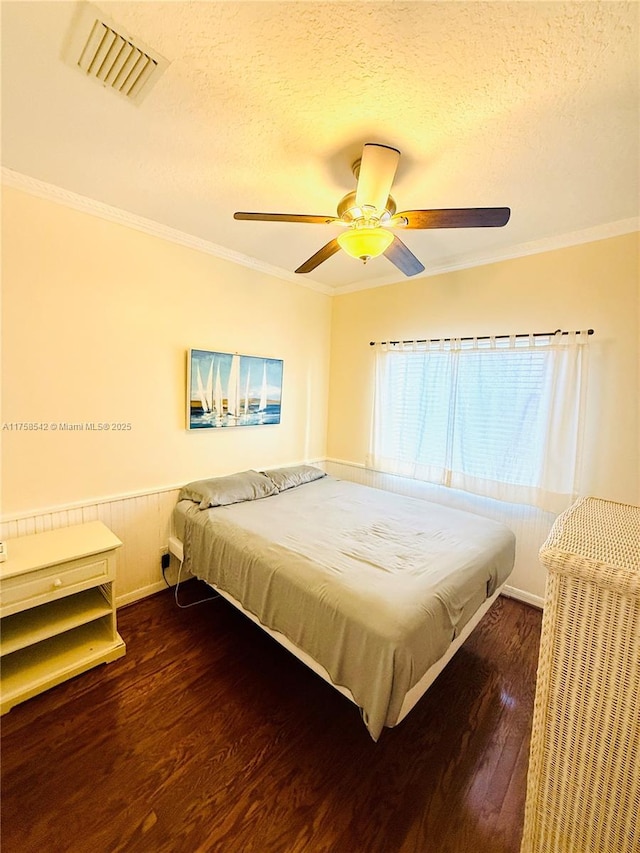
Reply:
x=374, y=591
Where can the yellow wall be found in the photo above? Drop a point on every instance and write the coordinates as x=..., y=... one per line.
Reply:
x=97, y=319
x=595, y=285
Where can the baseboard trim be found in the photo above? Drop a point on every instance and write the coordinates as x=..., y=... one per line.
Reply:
x=525, y=597
x=141, y=592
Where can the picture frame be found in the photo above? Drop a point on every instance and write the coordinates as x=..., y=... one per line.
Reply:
x=232, y=390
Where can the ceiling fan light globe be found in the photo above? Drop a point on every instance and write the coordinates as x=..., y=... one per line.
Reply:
x=365, y=243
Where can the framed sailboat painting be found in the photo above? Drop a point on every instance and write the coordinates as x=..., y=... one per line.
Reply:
x=226, y=390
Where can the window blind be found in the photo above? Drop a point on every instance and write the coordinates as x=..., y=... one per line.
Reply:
x=497, y=416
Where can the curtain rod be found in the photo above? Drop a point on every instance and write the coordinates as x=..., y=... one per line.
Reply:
x=482, y=337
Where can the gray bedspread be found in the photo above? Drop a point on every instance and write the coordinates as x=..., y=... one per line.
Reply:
x=373, y=585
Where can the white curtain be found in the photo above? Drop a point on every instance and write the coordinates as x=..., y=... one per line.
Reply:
x=496, y=417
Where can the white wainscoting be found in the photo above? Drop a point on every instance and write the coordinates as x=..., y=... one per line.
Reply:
x=530, y=525
x=141, y=521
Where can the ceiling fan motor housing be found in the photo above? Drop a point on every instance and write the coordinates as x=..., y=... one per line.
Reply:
x=351, y=214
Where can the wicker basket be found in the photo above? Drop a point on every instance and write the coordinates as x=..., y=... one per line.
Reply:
x=583, y=787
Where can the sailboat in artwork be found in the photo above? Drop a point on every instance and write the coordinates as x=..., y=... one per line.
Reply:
x=208, y=391
x=246, y=395
x=262, y=407
x=201, y=391
x=233, y=389
x=218, y=394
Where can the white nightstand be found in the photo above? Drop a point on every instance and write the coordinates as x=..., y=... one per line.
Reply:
x=57, y=608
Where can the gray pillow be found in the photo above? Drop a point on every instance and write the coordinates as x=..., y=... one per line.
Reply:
x=295, y=475
x=222, y=491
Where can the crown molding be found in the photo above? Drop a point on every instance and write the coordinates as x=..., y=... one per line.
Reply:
x=535, y=247
x=84, y=204
x=50, y=192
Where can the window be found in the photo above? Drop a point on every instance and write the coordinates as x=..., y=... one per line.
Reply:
x=499, y=417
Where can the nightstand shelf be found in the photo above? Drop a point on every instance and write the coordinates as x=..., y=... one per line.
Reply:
x=57, y=609
x=31, y=626
x=36, y=668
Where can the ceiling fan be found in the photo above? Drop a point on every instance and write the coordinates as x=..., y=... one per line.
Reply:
x=369, y=211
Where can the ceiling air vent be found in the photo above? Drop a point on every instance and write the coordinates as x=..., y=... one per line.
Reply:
x=112, y=58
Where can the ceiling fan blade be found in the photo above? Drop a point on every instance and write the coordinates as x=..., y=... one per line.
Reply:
x=321, y=255
x=377, y=171
x=286, y=217
x=463, y=217
x=403, y=257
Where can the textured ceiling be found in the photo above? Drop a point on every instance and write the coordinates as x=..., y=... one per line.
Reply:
x=265, y=105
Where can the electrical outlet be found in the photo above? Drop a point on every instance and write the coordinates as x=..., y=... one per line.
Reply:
x=165, y=560
x=3, y=551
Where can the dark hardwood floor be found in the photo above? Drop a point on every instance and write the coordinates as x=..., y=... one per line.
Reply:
x=207, y=736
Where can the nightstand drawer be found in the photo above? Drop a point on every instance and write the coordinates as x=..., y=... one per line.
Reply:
x=29, y=590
